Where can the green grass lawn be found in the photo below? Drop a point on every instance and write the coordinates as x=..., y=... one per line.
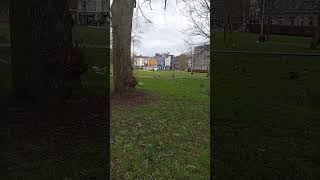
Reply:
x=277, y=43
x=266, y=110
x=167, y=138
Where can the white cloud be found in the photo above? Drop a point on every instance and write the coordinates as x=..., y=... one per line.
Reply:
x=166, y=34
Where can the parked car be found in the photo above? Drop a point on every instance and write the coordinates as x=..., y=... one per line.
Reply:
x=155, y=68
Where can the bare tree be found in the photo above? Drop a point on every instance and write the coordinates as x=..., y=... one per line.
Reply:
x=137, y=26
x=199, y=15
x=183, y=61
x=122, y=16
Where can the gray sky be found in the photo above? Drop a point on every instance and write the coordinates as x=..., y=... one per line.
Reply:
x=166, y=33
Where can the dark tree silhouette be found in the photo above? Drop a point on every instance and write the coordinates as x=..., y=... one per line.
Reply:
x=41, y=31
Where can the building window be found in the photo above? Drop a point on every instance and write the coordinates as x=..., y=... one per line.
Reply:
x=302, y=23
x=292, y=22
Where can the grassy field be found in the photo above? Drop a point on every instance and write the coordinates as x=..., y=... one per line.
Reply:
x=167, y=138
x=266, y=110
x=277, y=43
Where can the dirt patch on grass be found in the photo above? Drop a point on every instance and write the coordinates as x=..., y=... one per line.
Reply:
x=132, y=99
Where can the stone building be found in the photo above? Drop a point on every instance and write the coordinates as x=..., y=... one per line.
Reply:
x=201, y=58
x=294, y=12
x=287, y=12
x=140, y=61
x=90, y=12
x=287, y=17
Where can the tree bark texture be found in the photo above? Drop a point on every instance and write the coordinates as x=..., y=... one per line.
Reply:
x=39, y=28
x=122, y=15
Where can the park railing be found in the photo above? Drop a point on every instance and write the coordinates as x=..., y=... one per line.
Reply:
x=261, y=82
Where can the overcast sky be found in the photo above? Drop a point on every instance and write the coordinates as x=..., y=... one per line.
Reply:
x=166, y=33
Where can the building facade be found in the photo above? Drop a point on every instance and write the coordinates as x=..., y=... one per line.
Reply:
x=294, y=12
x=160, y=61
x=90, y=12
x=164, y=61
x=152, y=62
x=201, y=58
x=140, y=61
x=84, y=12
x=290, y=17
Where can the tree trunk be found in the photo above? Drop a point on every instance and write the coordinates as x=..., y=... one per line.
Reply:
x=38, y=28
x=122, y=14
